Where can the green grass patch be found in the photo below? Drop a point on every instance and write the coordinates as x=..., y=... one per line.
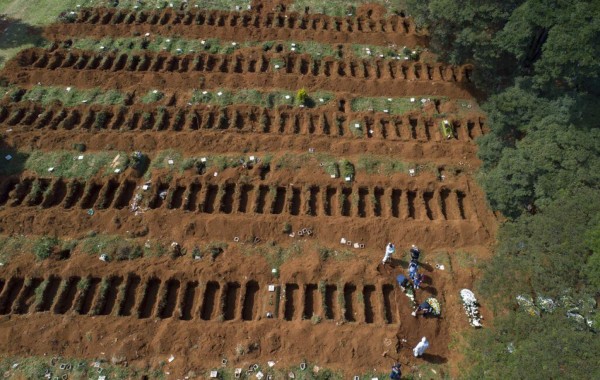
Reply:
x=36, y=367
x=394, y=106
x=342, y=8
x=69, y=96
x=277, y=64
x=254, y=97
x=164, y=158
x=64, y=163
x=357, y=128
x=12, y=246
x=381, y=165
x=152, y=96
x=119, y=248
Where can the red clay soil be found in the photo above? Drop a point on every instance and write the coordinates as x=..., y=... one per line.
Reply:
x=169, y=72
x=202, y=311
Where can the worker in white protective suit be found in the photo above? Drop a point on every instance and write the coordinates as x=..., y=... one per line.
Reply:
x=389, y=251
x=421, y=347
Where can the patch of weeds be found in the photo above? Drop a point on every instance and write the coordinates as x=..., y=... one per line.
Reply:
x=356, y=128
x=465, y=259
x=69, y=96
x=381, y=165
x=287, y=228
x=67, y=164
x=347, y=170
x=277, y=64
x=154, y=249
x=114, y=246
x=161, y=161
x=11, y=246
x=44, y=246
x=315, y=319
x=394, y=106
x=152, y=97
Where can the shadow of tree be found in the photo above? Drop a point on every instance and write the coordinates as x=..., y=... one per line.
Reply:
x=15, y=33
x=12, y=162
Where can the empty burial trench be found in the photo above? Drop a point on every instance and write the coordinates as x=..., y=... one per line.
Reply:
x=346, y=201
x=363, y=192
x=227, y=199
x=13, y=287
x=389, y=303
x=169, y=300
x=291, y=293
x=460, y=196
x=87, y=295
x=232, y=290
x=313, y=201
x=296, y=201
x=209, y=200
x=209, y=300
x=349, y=290
x=74, y=193
x=245, y=195
x=91, y=195
x=176, y=198
x=191, y=196
x=368, y=292
x=26, y=297
x=67, y=295
x=187, y=304
x=56, y=194
x=259, y=206
x=330, y=300
x=428, y=199
x=330, y=196
x=49, y=294
x=149, y=298
x=124, y=194
x=250, y=297
x=411, y=195
x=131, y=287
x=310, y=292
x=107, y=296
x=377, y=197
x=107, y=194
x=279, y=200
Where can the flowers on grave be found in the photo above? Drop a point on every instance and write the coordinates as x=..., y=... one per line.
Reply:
x=471, y=307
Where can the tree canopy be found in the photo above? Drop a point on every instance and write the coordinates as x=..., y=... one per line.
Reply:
x=538, y=62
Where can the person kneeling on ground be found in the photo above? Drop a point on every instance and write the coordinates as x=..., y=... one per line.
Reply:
x=424, y=309
x=403, y=282
x=396, y=374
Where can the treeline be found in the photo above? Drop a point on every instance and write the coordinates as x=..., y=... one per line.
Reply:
x=538, y=62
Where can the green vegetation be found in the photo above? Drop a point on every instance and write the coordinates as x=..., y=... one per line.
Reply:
x=65, y=164
x=68, y=96
x=42, y=249
x=538, y=63
x=257, y=98
x=119, y=248
x=394, y=106
x=343, y=8
x=152, y=97
x=357, y=128
x=36, y=367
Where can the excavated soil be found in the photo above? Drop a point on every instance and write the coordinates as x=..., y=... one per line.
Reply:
x=202, y=311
